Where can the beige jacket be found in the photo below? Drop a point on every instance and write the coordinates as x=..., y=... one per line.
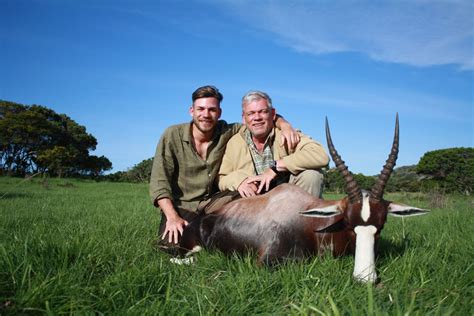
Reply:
x=237, y=163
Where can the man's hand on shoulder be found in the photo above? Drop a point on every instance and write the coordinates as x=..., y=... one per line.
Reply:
x=289, y=135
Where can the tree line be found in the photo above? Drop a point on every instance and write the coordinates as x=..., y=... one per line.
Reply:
x=35, y=139
x=447, y=170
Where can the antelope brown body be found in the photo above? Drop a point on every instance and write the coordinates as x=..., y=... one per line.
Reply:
x=289, y=222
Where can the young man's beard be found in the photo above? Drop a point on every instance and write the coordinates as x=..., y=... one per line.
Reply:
x=204, y=127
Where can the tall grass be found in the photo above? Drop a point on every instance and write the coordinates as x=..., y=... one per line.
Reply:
x=72, y=246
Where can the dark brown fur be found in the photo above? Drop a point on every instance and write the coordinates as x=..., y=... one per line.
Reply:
x=275, y=225
x=272, y=230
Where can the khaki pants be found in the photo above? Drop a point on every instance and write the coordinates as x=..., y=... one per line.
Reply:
x=310, y=181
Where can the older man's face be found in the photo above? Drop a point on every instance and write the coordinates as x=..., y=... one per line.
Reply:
x=258, y=118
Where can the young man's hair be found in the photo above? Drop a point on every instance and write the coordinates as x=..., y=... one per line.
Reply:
x=207, y=92
x=255, y=96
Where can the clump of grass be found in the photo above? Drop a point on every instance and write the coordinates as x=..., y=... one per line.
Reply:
x=66, y=185
x=437, y=199
x=45, y=183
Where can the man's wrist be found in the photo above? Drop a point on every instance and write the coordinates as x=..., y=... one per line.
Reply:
x=273, y=166
x=280, y=122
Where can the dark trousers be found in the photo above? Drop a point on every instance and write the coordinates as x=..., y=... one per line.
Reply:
x=214, y=203
x=164, y=244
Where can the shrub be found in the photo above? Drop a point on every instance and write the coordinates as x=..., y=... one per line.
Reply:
x=450, y=169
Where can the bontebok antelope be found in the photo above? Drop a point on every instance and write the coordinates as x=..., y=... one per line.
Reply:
x=289, y=222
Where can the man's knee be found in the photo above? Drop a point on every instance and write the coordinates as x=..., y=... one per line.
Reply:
x=309, y=180
x=217, y=201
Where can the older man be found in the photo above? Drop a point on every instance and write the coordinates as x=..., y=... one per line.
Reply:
x=255, y=159
x=187, y=160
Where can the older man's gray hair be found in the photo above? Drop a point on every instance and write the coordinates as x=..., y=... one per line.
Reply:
x=255, y=96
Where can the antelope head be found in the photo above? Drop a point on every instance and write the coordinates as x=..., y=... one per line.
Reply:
x=364, y=212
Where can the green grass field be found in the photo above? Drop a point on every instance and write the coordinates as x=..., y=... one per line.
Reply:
x=72, y=246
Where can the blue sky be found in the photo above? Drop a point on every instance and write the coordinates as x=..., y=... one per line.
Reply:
x=126, y=69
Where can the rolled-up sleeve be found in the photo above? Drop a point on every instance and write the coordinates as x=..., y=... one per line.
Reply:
x=162, y=170
x=230, y=178
x=236, y=164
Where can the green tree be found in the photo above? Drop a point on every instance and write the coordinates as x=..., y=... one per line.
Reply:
x=334, y=182
x=95, y=166
x=451, y=169
x=57, y=159
x=405, y=179
x=37, y=139
x=141, y=172
x=365, y=182
x=18, y=139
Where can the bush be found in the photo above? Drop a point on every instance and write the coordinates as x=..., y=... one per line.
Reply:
x=404, y=179
x=334, y=181
x=451, y=170
x=141, y=172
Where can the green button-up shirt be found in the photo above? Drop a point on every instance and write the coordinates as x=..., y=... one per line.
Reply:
x=179, y=173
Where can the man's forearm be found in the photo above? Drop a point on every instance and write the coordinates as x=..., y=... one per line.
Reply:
x=280, y=122
x=167, y=207
x=281, y=166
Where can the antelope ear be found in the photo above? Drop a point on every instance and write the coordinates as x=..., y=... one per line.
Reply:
x=323, y=212
x=328, y=218
x=401, y=210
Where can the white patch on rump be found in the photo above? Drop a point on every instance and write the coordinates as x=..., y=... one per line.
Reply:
x=364, y=265
x=181, y=261
x=365, y=214
x=193, y=251
x=188, y=257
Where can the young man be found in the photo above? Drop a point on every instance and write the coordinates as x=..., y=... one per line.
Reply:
x=187, y=161
x=255, y=159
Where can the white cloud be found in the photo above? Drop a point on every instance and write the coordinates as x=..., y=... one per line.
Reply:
x=417, y=105
x=420, y=33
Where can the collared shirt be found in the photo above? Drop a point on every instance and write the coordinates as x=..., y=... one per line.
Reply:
x=237, y=163
x=179, y=173
x=262, y=160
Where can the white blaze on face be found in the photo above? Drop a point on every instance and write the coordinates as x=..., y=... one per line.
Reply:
x=365, y=213
x=364, y=266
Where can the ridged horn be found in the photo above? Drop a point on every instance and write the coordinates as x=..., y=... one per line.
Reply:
x=352, y=188
x=379, y=186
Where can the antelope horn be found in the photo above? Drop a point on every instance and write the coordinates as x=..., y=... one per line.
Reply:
x=378, y=188
x=352, y=188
